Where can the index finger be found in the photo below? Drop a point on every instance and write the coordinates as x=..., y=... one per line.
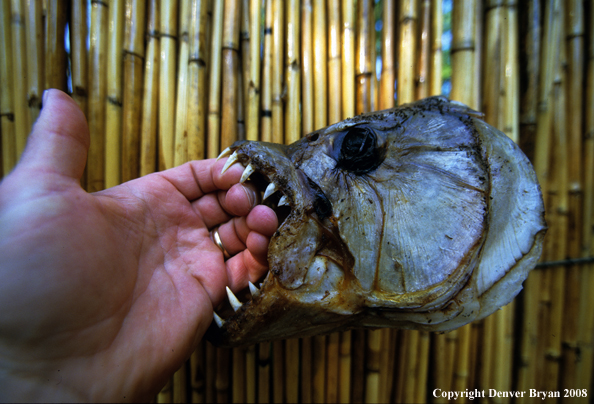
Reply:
x=197, y=178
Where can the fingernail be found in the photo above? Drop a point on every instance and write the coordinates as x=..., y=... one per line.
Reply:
x=251, y=195
x=44, y=97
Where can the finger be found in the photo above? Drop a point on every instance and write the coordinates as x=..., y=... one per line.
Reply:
x=59, y=140
x=197, y=178
x=259, y=225
x=218, y=208
x=243, y=268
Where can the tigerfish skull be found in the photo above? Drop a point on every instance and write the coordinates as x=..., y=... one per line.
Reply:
x=419, y=217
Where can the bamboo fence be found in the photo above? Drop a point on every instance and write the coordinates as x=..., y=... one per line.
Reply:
x=163, y=82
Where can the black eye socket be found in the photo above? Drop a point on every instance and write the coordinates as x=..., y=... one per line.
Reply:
x=358, y=151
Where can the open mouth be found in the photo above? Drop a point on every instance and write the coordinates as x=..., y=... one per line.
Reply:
x=275, y=193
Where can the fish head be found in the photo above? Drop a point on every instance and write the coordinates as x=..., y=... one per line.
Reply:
x=420, y=217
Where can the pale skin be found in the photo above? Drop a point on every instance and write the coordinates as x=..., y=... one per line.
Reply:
x=103, y=296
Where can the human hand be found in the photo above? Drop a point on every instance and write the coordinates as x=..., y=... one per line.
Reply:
x=103, y=296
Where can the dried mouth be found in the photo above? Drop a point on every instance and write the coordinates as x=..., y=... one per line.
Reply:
x=277, y=195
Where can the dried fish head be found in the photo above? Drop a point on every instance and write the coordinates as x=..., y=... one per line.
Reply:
x=419, y=217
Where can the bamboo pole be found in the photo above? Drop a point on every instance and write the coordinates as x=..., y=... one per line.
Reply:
x=422, y=80
x=78, y=53
x=180, y=148
x=278, y=375
x=463, y=52
x=266, y=114
x=20, y=79
x=134, y=59
x=55, y=55
x=231, y=94
x=244, y=35
x=97, y=93
x=214, y=89
x=7, y=125
x=150, y=97
x=292, y=370
x=334, y=62
x=167, y=70
x=436, y=51
x=574, y=42
x=363, y=60
x=238, y=376
x=307, y=68
x=264, y=360
x=197, y=371
x=113, y=100
x=344, y=392
x=372, y=366
x=406, y=49
x=278, y=43
x=306, y=370
x=586, y=331
x=197, y=80
x=250, y=374
x=293, y=121
x=388, y=75
x=35, y=56
x=320, y=57
x=254, y=89
x=529, y=61
x=348, y=58
x=222, y=374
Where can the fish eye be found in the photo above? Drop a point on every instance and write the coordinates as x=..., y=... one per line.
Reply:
x=358, y=151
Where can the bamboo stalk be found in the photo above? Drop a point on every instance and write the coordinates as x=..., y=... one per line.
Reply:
x=348, y=58
x=113, y=100
x=266, y=115
x=264, y=350
x=197, y=80
x=293, y=121
x=35, y=56
x=586, y=332
x=319, y=381
x=214, y=90
x=320, y=57
x=180, y=148
x=278, y=375
x=7, y=124
x=278, y=43
x=574, y=43
x=20, y=79
x=180, y=385
x=250, y=374
x=132, y=118
x=363, y=59
x=254, y=89
x=372, y=366
x=529, y=61
x=167, y=70
x=197, y=372
x=244, y=35
x=307, y=68
x=150, y=97
x=344, y=392
x=222, y=374
x=406, y=50
x=55, y=54
x=334, y=62
x=306, y=370
x=292, y=370
x=97, y=93
x=238, y=376
x=463, y=52
x=332, y=369
x=358, y=348
x=78, y=53
x=231, y=95
x=422, y=81
x=511, y=69
x=388, y=75
x=436, y=52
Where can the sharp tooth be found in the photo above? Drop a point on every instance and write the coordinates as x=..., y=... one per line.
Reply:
x=247, y=172
x=232, y=160
x=218, y=320
x=270, y=189
x=254, y=290
x=283, y=201
x=235, y=303
x=224, y=153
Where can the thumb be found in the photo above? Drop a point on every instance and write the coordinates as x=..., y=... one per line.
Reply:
x=59, y=140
